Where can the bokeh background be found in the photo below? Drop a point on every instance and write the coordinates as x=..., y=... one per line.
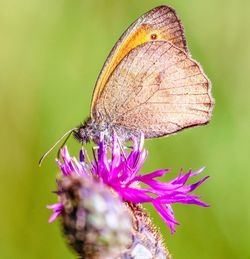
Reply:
x=50, y=55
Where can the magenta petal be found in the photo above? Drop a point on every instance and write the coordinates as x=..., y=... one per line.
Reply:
x=160, y=186
x=57, y=208
x=154, y=174
x=133, y=195
x=182, y=179
x=183, y=199
x=54, y=216
x=194, y=186
x=198, y=171
x=81, y=156
x=167, y=215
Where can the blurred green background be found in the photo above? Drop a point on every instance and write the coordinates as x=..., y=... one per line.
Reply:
x=50, y=55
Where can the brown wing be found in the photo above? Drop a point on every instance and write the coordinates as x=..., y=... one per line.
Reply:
x=157, y=89
x=161, y=23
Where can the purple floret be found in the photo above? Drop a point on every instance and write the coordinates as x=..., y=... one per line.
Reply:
x=121, y=170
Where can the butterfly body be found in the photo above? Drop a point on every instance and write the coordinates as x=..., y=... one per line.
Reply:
x=148, y=84
x=91, y=129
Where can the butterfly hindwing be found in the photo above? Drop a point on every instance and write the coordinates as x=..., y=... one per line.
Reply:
x=157, y=89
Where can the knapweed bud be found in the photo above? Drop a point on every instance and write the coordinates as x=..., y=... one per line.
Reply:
x=95, y=222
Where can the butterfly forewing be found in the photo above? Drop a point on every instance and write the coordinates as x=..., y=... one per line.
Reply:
x=161, y=23
x=157, y=89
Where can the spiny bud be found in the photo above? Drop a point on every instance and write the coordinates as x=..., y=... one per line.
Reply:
x=95, y=222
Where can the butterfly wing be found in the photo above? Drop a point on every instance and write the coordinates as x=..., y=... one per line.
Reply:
x=160, y=23
x=157, y=89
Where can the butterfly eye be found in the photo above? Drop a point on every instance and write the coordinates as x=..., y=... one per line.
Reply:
x=153, y=36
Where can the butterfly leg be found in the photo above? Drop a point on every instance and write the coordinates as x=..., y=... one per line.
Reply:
x=123, y=148
x=85, y=153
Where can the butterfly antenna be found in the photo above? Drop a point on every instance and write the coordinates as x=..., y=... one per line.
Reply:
x=68, y=133
x=64, y=142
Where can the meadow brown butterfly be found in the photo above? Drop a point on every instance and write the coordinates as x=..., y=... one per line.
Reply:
x=149, y=83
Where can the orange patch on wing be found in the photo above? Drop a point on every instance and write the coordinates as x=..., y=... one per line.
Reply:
x=136, y=38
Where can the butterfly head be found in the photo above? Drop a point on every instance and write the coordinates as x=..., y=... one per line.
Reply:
x=81, y=134
x=87, y=131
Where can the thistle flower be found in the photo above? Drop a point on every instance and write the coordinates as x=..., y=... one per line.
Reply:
x=121, y=171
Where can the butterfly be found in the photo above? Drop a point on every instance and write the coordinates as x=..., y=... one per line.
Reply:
x=149, y=83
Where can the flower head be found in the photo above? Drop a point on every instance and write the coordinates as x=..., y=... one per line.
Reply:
x=122, y=172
